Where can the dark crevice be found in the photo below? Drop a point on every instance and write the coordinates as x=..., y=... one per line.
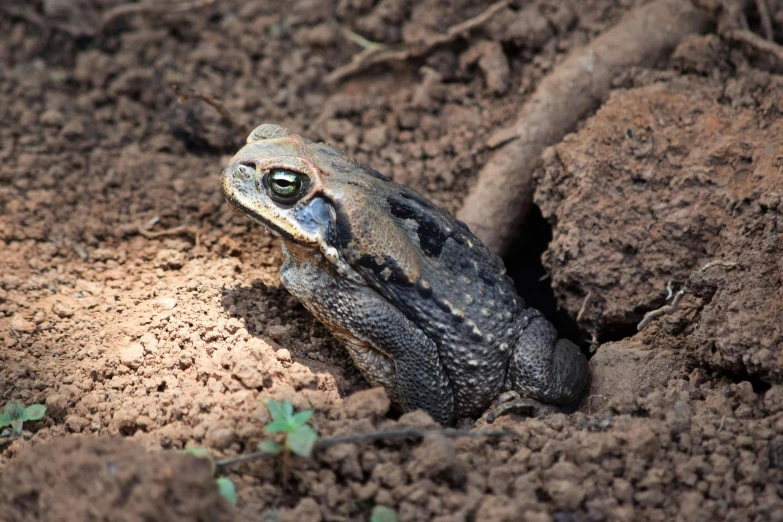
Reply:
x=759, y=384
x=617, y=332
x=524, y=265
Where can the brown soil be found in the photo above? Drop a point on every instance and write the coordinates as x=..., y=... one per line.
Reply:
x=175, y=340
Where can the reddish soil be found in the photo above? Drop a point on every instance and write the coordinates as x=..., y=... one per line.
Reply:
x=137, y=338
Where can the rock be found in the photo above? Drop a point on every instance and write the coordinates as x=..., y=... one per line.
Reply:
x=220, y=437
x=367, y=403
x=628, y=367
x=306, y=511
x=20, y=324
x=56, y=405
x=132, y=355
x=434, y=457
x=283, y=355
x=164, y=303
x=417, y=419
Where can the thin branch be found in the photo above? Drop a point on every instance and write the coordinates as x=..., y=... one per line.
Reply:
x=184, y=95
x=757, y=42
x=375, y=54
x=583, y=308
x=664, y=310
x=123, y=10
x=400, y=434
x=670, y=309
x=765, y=19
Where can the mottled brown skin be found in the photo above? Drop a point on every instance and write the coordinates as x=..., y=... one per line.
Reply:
x=423, y=307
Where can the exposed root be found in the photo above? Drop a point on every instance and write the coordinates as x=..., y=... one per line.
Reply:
x=583, y=308
x=664, y=310
x=757, y=42
x=498, y=203
x=375, y=53
x=401, y=434
x=671, y=308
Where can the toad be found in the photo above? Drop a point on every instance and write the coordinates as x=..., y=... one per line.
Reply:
x=424, y=309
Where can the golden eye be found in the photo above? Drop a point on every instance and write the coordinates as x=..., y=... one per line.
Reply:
x=287, y=184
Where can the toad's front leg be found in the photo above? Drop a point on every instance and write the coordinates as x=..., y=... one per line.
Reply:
x=389, y=349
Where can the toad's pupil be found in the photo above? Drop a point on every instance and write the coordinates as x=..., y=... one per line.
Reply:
x=285, y=184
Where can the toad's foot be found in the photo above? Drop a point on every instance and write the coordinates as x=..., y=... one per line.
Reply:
x=511, y=402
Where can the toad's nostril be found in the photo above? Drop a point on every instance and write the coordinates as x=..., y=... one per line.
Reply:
x=245, y=170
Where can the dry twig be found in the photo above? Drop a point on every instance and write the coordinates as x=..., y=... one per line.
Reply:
x=123, y=10
x=664, y=310
x=175, y=231
x=670, y=309
x=765, y=19
x=190, y=94
x=374, y=53
x=400, y=434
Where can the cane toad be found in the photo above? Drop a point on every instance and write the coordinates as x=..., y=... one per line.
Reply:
x=422, y=306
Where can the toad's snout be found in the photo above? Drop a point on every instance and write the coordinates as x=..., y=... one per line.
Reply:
x=240, y=183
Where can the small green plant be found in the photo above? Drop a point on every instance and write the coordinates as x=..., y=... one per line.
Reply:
x=224, y=484
x=383, y=514
x=15, y=414
x=299, y=437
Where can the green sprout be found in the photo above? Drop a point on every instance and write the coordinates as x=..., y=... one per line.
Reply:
x=15, y=414
x=383, y=514
x=299, y=437
x=225, y=486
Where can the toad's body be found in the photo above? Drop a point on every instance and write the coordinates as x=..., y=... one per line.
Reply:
x=423, y=307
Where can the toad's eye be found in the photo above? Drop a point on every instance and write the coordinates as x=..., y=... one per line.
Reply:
x=287, y=185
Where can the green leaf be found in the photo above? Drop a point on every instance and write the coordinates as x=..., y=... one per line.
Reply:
x=276, y=409
x=34, y=412
x=4, y=420
x=301, y=441
x=270, y=446
x=16, y=425
x=279, y=426
x=227, y=489
x=288, y=409
x=201, y=453
x=14, y=410
x=301, y=418
x=383, y=514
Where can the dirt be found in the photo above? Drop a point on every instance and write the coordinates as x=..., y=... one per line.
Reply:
x=148, y=317
x=109, y=478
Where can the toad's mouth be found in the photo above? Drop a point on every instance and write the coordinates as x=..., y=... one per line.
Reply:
x=276, y=230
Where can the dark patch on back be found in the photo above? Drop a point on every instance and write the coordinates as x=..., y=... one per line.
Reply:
x=431, y=236
x=487, y=277
x=418, y=199
x=461, y=224
x=327, y=150
x=397, y=274
x=375, y=174
x=344, y=233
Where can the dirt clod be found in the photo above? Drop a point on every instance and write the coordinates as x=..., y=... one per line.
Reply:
x=84, y=478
